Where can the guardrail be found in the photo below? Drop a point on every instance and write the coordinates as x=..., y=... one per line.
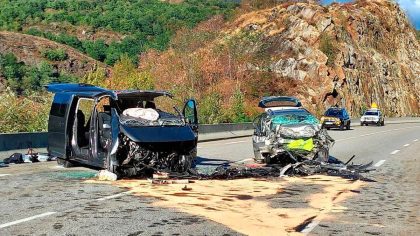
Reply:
x=15, y=141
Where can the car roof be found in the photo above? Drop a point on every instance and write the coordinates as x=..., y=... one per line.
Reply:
x=288, y=102
x=285, y=110
x=95, y=91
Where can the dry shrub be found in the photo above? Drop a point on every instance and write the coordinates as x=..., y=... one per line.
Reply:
x=24, y=113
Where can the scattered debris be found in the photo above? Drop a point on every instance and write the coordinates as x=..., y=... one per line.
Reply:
x=15, y=158
x=168, y=181
x=105, y=175
x=185, y=188
x=2, y=164
x=332, y=167
x=160, y=175
x=30, y=157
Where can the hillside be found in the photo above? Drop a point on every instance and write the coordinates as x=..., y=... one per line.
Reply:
x=344, y=54
x=29, y=49
x=105, y=30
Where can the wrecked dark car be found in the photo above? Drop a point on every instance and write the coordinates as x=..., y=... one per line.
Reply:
x=287, y=133
x=126, y=132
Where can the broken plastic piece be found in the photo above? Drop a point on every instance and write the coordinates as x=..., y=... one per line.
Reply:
x=105, y=175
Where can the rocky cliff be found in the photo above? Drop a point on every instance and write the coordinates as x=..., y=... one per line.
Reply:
x=344, y=54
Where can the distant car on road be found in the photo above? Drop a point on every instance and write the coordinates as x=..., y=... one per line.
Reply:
x=336, y=117
x=372, y=116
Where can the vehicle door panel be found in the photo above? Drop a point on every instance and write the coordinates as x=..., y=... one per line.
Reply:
x=57, y=124
x=190, y=114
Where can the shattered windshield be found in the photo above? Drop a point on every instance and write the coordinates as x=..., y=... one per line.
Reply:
x=160, y=111
x=293, y=117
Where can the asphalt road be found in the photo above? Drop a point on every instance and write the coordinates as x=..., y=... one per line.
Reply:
x=43, y=199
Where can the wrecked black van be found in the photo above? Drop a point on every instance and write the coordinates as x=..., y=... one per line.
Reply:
x=126, y=132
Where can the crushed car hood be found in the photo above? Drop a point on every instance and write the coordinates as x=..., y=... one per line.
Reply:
x=159, y=134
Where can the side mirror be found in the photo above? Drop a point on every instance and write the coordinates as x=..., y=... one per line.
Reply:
x=190, y=113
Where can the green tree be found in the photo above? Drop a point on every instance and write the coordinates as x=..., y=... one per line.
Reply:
x=237, y=109
x=329, y=47
x=210, y=109
x=96, y=49
x=55, y=54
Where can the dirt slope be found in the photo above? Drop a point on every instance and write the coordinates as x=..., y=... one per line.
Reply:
x=28, y=49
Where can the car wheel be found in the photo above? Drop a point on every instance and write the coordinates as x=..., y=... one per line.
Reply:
x=64, y=163
x=361, y=124
x=348, y=126
x=342, y=126
x=383, y=123
x=378, y=124
x=328, y=128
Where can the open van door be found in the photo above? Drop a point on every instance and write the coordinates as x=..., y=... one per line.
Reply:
x=58, y=140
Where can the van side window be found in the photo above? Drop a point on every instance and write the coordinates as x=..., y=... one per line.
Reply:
x=86, y=107
x=59, y=106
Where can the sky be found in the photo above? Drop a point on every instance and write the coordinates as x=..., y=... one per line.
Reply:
x=411, y=7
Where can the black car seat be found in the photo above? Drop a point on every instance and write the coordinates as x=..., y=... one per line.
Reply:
x=104, y=118
x=150, y=104
x=81, y=130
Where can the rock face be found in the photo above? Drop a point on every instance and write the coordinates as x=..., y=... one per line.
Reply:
x=344, y=54
x=28, y=49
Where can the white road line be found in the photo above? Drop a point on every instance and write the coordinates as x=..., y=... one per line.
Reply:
x=415, y=140
x=310, y=227
x=406, y=145
x=57, y=167
x=26, y=219
x=235, y=142
x=380, y=132
x=114, y=196
x=395, y=152
x=1, y=175
x=379, y=163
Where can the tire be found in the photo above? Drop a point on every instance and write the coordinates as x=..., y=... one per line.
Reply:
x=383, y=123
x=342, y=126
x=64, y=163
x=348, y=126
x=328, y=128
